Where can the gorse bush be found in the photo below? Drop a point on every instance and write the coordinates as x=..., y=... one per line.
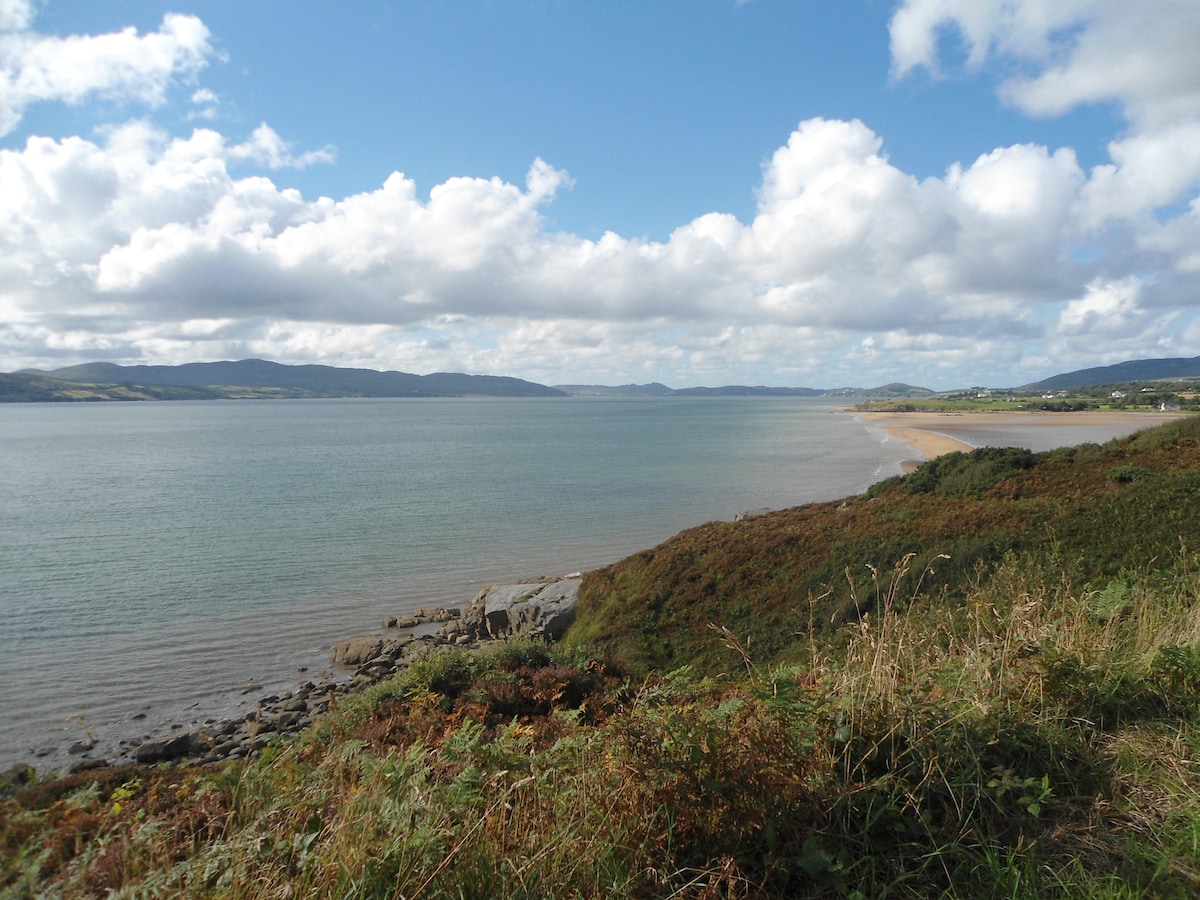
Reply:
x=971, y=473
x=1126, y=474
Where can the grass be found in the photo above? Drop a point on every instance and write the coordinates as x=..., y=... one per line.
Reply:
x=1129, y=397
x=1038, y=742
x=1019, y=727
x=942, y=404
x=1093, y=511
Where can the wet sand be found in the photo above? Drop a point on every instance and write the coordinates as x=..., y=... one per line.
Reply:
x=930, y=434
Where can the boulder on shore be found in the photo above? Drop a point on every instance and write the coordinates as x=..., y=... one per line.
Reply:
x=164, y=749
x=424, y=615
x=540, y=609
x=543, y=607
x=363, y=648
x=356, y=650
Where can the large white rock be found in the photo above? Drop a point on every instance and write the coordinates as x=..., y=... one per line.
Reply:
x=544, y=609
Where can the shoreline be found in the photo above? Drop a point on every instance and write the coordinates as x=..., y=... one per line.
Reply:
x=540, y=607
x=924, y=431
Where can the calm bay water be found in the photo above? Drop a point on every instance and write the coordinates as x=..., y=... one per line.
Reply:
x=157, y=557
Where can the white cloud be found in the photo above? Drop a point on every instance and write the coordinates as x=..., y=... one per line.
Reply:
x=144, y=232
x=205, y=103
x=143, y=245
x=1148, y=170
x=1138, y=55
x=1107, y=309
x=1177, y=242
x=1141, y=58
x=123, y=66
x=267, y=148
x=15, y=15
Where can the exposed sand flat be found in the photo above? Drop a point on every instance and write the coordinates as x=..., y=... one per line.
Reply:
x=926, y=431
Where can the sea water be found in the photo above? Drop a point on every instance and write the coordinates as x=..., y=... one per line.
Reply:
x=158, y=559
x=163, y=563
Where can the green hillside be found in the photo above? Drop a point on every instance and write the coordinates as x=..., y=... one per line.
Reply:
x=1134, y=370
x=1097, y=511
x=25, y=388
x=254, y=376
x=978, y=680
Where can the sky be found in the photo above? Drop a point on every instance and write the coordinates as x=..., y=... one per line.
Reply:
x=817, y=193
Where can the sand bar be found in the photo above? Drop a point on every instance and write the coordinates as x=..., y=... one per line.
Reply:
x=931, y=434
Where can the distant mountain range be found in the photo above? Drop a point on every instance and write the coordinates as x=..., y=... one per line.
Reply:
x=1120, y=373
x=260, y=379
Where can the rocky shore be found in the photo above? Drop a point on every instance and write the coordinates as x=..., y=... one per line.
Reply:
x=540, y=607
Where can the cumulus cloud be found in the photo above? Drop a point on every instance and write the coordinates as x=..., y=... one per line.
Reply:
x=1106, y=309
x=1138, y=55
x=123, y=65
x=145, y=229
x=267, y=148
x=140, y=244
x=1122, y=215
x=1148, y=170
x=15, y=15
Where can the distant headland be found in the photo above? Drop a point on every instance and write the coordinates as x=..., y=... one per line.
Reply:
x=262, y=379
x=259, y=379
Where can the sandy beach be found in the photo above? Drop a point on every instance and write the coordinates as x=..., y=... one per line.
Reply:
x=931, y=434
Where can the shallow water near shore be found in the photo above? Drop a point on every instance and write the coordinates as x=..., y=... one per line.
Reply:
x=168, y=563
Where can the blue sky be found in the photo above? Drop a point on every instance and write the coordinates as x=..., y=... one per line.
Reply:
x=945, y=192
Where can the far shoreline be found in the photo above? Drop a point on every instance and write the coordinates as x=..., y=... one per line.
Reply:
x=923, y=430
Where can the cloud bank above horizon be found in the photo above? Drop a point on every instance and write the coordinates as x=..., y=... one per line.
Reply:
x=142, y=243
